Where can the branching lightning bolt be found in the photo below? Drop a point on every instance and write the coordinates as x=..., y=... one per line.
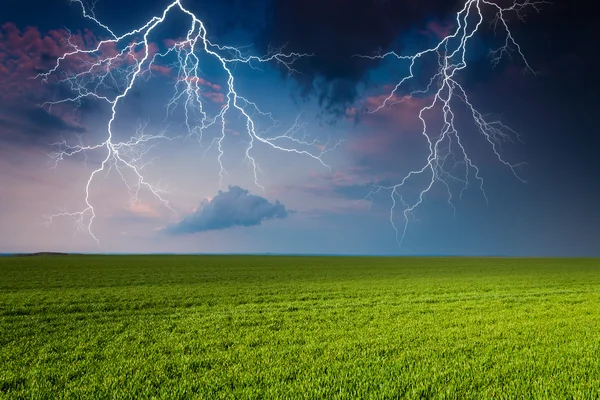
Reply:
x=445, y=90
x=98, y=75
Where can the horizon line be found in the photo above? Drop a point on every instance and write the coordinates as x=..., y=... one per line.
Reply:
x=52, y=253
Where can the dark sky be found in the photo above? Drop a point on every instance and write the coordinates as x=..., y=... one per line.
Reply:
x=555, y=111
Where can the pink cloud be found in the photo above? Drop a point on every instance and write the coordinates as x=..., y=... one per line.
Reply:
x=218, y=98
x=400, y=112
x=169, y=42
x=213, y=92
x=385, y=130
x=201, y=82
x=25, y=53
x=161, y=69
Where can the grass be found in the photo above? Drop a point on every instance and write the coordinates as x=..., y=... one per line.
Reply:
x=298, y=327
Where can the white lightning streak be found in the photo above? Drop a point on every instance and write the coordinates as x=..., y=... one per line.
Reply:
x=98, y=75
x=444, y=88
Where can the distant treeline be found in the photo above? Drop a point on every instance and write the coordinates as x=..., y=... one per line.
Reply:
x=42, y=253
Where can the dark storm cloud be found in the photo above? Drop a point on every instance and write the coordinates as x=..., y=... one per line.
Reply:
x=42, y=120
x=29, y=124
x=334, y=31
x=235, y=207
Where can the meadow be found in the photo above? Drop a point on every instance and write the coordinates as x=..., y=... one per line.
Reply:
x=224, y=327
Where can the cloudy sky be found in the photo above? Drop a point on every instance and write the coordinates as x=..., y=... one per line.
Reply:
x=293, y=154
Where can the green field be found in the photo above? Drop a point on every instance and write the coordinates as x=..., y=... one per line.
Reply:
x=298, y=327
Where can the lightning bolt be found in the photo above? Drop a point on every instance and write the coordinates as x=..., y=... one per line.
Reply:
x=109, y=76
x=446, y=145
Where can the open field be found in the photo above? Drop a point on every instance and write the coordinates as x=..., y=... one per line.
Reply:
x=298, y=327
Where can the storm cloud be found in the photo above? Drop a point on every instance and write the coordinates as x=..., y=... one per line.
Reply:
x=335, y=31
x=234, y=207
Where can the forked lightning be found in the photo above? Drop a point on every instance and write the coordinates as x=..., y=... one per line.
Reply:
x=100, y=72
x=444, y=88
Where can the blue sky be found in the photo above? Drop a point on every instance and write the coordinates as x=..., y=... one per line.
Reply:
x=299, y=205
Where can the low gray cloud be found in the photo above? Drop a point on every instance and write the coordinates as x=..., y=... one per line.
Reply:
x=234, y=207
